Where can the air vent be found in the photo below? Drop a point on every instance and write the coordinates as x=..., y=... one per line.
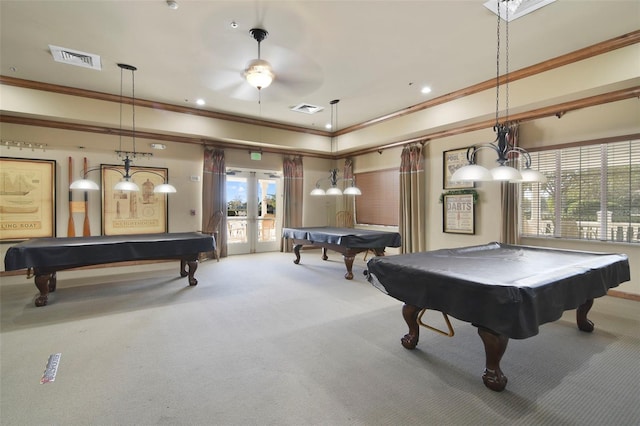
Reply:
x=75, y=57
x=307, y=108
x=517, y=8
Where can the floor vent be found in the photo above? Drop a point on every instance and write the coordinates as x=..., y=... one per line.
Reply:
x=75, y=57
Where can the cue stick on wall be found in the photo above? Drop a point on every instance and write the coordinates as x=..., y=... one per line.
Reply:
x=86, y=229
x=71, y=226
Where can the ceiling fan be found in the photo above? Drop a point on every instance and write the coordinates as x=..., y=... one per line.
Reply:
x=290, y=74
x=259, y=73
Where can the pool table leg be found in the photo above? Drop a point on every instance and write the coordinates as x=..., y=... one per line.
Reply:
x=410, y=315
x=349, y=256
x=494, y=347
x=46, y=283
x=296, y=250
x=584, y=323
x=193, y=265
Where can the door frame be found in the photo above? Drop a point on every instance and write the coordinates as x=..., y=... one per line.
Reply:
x=252, y=222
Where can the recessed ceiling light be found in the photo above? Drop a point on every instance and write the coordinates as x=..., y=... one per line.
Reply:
x=172, y=4
x=200, y=102
x=426, y=89
x=234, y=24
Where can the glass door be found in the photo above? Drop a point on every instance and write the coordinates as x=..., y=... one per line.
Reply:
x=253, y=200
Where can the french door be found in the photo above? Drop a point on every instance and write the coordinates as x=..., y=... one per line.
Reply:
x=253, y=211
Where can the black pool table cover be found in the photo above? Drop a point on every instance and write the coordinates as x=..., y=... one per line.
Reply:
x=509, y=289
x=62, y=253
x=347, y=237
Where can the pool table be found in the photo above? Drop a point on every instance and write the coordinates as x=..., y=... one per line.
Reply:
x=46, y=256
x=506, y=291
x=348, y=241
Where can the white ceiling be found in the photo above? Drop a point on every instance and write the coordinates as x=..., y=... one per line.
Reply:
x=372, y=55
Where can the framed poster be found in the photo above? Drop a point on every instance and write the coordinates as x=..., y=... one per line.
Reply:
x=452, y=161
x=27, y=199
x=459, y=214
x=133, y=212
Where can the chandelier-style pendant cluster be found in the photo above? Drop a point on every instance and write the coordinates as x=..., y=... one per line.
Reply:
x=503, y=145
x=126, y=183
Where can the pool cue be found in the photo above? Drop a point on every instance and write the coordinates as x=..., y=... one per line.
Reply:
x=86, y=229
x=71, y=226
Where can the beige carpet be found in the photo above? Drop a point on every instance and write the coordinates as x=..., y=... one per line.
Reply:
x=261, y=341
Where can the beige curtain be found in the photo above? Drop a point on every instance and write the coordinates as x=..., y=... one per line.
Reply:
x=510, y=196
x=214, y=196
x=292, y=197
x=348, y=200
x=412, y=225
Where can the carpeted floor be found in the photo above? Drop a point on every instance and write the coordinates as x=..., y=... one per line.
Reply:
x=261, y=341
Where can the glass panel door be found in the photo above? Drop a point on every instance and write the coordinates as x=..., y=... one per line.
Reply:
x=253, y=211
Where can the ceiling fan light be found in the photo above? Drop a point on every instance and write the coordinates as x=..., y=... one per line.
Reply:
x=259, y=74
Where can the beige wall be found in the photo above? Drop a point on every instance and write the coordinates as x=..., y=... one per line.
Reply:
x=612, y=119
x=614, y=70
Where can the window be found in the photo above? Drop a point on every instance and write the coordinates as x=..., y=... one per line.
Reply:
x=379, y=203
x=592, y=192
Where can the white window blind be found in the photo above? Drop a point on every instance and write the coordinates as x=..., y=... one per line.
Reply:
x=592, y=192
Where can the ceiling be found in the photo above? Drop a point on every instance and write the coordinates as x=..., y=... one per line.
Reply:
x=374, y=56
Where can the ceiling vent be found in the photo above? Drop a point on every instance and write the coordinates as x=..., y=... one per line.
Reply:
x=75, y=57
x=517, y=8
x=307, y=108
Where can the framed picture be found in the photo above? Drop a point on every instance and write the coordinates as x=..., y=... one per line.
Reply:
x=452, y=161
x=133, y=212
x=459, y=214
x=27, y=199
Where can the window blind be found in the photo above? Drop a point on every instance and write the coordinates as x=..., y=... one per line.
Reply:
x=379, y=203
x=592, y=192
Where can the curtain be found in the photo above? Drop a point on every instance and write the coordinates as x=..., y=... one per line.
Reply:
x=214, y=196
x=348, y=200
x=292, y=197
x=510, y=194
x=412, y=225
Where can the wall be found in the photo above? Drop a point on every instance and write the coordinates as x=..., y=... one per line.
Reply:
x=184, y=163
x=612, y=119
x=602, y=74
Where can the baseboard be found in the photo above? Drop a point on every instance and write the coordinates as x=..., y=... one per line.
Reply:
x=624, y=295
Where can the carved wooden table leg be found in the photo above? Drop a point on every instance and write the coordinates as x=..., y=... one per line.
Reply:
x=410, y=315
x=324, y=253
x=348, y=262
x=45, y=282
x=296, y=250
x=193, y=265
x=584, y=323
x=494, y=347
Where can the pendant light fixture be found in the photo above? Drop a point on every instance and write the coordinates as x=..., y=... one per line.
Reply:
x=126, y=183
x=333, y=177
x=507, y=153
